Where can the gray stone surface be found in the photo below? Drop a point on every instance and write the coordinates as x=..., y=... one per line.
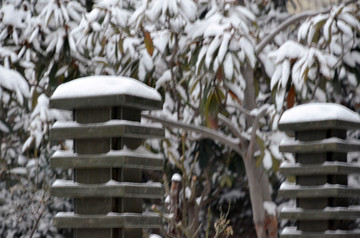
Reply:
x=106, y=101
x=115, y=159
x=339, y=213
x=320, y=149
x=108, y=189
x=112, y=189
x=320, y=169
x=111, y=220
x=115, y=128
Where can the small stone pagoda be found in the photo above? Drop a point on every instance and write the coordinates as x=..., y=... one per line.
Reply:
x=107, y=158
x=321, y=170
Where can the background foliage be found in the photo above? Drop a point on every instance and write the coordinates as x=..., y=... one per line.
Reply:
x=199, y=55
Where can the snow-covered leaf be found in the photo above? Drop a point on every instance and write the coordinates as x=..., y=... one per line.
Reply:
x=285, y=73
x=228, y=66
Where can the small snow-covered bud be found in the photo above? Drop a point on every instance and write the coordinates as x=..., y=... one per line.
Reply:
x=187, y=192
x=176, y=177
x=198, y=200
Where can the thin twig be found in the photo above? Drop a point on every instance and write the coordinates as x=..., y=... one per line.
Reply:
x=172, y=75
x=39, y=217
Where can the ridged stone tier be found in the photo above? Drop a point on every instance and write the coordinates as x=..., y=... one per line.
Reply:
x=108, y=157
x=321, y=171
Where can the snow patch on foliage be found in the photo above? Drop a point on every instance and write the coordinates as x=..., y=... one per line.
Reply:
x=232, y=196
x=13, y=81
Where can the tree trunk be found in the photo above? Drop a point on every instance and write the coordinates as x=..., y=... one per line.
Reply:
x=256, y=197
x=258, y=180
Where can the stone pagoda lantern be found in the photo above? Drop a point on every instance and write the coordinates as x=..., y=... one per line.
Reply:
x=108, y=157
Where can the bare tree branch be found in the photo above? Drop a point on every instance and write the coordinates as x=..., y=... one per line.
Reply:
x=231, y=127
x=206, y=132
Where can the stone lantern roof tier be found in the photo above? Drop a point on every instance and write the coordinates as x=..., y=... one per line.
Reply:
x=317, y=116
x=102, y=91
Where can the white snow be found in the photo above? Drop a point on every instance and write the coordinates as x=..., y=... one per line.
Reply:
x=166, y=77
x=154, y=236
x=70, y=183
x=326, y=209
x=270, y=208
x=350, y=208
x=319, y=112
x=297, y=51
x=232, y=196
x=109, y=214
x=176, y=177
x=285, y=73
x=12, y=16
x=187, y=192
x=228, y=66
x=290, y=186
x=286, y=164
x=291, y=209
x=198, y=200
x=331, y=140
x=355, y=232
x=62, y=183
x=104, y=85
x=290, y=230
x=19, y=170
x=267, y=160
x=4, y=128
x=73, y=124
x=12, y=80
x=141, y=151
x=249, y=50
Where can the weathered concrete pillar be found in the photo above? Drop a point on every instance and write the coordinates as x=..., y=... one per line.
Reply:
x=321, y=170
x=108, y=158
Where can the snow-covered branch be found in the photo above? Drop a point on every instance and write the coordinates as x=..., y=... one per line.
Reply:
x=204, y=131
x=290, y=21
x=285, y=24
